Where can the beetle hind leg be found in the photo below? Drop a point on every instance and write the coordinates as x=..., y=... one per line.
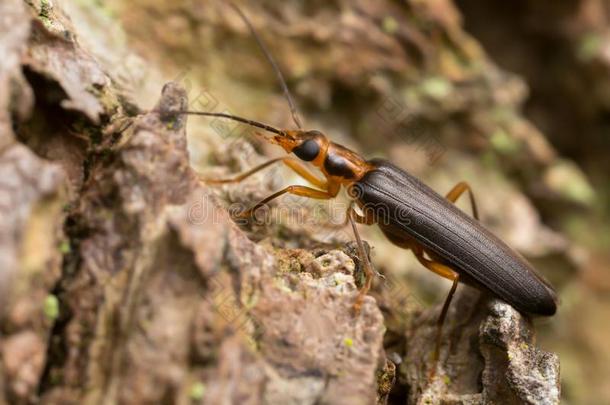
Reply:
x=458, y=190
x=448, y=273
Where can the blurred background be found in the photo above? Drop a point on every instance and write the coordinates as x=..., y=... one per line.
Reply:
x=513, y=97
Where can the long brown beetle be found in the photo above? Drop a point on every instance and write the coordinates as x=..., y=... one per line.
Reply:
x=443, y=238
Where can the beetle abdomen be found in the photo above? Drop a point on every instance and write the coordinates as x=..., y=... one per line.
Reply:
x=404, y=203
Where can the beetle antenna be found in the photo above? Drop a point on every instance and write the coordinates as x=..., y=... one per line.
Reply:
x=246, y=121
x=276, y=69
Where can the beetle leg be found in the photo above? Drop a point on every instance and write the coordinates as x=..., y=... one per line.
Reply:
x=443, y=315
x=446, y=272
x=244, y=175
x=294, y=164
x=352, y=217
x=367, y=219
x=302, y=171
x=302, y=191
x=457, y=191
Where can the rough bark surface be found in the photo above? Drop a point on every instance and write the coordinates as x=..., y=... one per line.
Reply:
x=490, y=357
x=123, y=278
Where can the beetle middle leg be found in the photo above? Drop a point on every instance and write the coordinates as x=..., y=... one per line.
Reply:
x=302, y=191
x=458, y=190
x=367, y=219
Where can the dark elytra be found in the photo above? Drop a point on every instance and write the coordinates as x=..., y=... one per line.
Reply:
x=457, y=239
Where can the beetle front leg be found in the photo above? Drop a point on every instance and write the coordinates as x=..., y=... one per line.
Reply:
x=292, y=163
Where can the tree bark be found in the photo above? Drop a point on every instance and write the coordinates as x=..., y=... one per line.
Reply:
x=124, y=279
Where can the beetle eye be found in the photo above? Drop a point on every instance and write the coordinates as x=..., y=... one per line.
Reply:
x=308, y=150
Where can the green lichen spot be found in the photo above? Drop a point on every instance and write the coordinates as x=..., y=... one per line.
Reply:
x=389, y=25
x=64, y=247
x=446, y=379
x=348, y=342
x=45, y=13
x=566, y=179
x=589, y=46
x=503, y=142
x=197, y=391
x=51, y=307
x=45, y=9
x=436, y=87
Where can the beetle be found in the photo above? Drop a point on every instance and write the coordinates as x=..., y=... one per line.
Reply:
x=411, y=215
